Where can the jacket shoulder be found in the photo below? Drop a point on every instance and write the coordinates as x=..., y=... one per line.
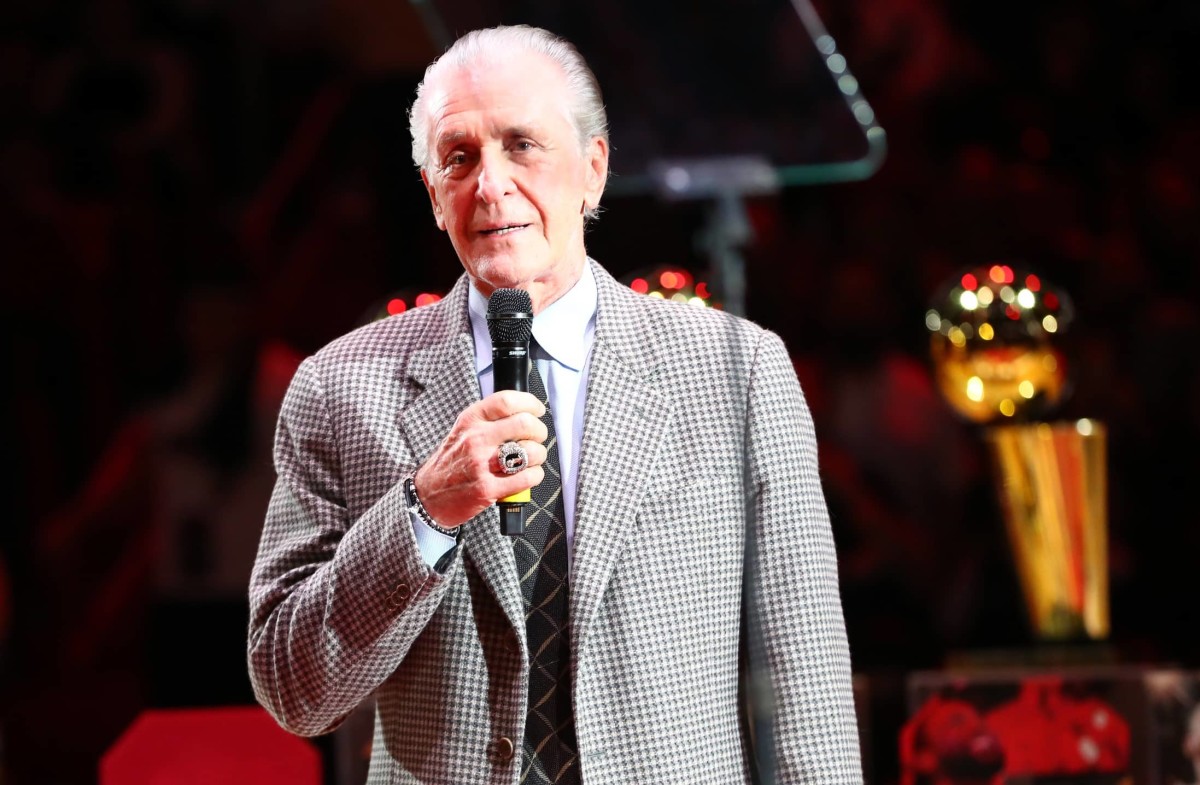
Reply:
x=392, y=336
x=682, y=324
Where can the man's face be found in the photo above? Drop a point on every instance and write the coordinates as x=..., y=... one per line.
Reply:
x=507, y=177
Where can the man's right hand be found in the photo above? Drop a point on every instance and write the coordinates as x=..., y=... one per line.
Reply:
x=463, y=476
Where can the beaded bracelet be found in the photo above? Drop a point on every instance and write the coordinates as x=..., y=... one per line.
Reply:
x=416, y=508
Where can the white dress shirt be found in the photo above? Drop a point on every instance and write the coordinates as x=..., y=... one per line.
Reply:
x=564, y=333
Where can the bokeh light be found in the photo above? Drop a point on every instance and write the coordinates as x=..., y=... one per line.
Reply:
x=996, y=342
x=671, y=282
x=399, y=302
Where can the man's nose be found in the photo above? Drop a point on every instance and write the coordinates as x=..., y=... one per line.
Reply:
x=495, y=180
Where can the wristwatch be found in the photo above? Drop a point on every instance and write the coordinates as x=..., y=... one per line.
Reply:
x=416, y=508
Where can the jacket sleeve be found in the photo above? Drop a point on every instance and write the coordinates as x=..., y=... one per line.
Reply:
x=798, y=632
x=335, y=603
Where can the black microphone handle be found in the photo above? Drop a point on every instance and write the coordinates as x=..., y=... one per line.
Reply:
x=510, y=366
x=510, y=371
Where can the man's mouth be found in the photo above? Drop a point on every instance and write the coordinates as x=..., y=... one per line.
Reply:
x=502, y=230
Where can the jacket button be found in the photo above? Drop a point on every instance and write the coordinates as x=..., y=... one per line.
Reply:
x=398, y=595
x=504, y=748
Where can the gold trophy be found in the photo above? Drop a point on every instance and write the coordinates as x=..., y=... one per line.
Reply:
x=996, y=335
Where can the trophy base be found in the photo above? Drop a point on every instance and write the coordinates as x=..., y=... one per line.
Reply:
x=1049, y=654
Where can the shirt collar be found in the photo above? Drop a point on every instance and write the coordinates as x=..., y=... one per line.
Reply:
x=561, y=329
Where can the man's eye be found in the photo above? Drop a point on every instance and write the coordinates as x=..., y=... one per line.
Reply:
x=523, y=145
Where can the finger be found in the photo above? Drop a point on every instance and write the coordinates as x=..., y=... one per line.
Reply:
x=521, y=426
x=505, y=403
x=536, y=451
x=507, y=485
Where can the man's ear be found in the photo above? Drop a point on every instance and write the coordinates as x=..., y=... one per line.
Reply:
x=597, y=171
x=433, y=200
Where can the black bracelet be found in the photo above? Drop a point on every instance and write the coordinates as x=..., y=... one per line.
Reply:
x=415, y=507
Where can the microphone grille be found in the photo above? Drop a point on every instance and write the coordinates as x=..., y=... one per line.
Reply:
x=510, y=316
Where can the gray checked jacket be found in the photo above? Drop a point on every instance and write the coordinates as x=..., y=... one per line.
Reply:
x=697, y=444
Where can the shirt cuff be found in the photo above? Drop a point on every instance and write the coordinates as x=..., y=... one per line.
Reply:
x=432, y=544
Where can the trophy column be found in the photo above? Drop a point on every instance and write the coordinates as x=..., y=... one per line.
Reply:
x=996, y=345
x=1052, y=484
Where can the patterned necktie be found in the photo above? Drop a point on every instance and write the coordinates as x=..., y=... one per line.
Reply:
x=549, y=751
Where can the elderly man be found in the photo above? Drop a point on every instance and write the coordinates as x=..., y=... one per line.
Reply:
x=660, y=441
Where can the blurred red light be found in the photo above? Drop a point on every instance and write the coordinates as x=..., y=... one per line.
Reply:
x=1051, y=300
x=1032, y=282
x=1012, y=313
x=639, y=285
x=396, y=305
x=702, y=290
x=969, y=282
x=425, y=298
x=668, y=280
x=1035, y=144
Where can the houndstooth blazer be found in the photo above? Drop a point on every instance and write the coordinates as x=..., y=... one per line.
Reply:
x=686, y=407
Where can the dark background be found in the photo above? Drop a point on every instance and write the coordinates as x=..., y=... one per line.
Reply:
x=196, y=194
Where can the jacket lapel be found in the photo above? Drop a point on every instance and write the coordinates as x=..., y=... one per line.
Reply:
x=625, y=418
x=444, y=373
x=624, y=421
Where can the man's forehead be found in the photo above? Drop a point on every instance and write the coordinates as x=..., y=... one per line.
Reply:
x=521, y=73
x=510, y=95
x=450, y=133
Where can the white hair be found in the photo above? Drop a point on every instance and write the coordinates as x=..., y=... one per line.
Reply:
x=586, y=104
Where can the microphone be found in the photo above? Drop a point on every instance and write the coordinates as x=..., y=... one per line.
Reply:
x=510, y=325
